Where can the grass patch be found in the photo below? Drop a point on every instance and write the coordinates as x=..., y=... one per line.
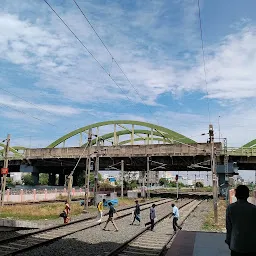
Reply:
x=39, y=212
x=209, y=224
x=129, y=201
x=52, y=210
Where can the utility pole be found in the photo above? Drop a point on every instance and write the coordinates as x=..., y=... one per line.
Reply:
x=96, y=175
x=4, y=170
x=70, y=183
x=88, y=171
x=148, y=192
x=122, y=179
x=143, y=185
x=214, y=174
x=177, y=185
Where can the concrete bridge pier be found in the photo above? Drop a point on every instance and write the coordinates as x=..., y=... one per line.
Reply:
x=35, y=176
x=52, y=179
x=61, y=179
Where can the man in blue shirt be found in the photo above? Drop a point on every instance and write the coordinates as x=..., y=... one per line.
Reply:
x=175, y=214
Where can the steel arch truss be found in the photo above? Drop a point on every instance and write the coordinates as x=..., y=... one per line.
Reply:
x=124, y=132
x=17, y=151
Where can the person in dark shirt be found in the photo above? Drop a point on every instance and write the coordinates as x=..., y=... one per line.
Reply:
x=111, y=212
x=152, y=217
x=136, y=212
x=241, y=224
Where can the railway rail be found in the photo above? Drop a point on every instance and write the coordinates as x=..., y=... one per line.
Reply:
x=18, y=244
x=148, y=243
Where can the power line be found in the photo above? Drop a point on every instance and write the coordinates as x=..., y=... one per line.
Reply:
x=33, y=104
x=25, y=113
x=202, y=46
x=87, y=50
x=113, y=58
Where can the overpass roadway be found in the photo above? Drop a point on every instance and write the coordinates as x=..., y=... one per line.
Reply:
x=175, y=156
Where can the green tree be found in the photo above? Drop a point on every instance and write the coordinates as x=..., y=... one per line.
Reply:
x=172, y=184
x=43, y=178
x=9, y=182
x=81, y=179
x=163, y=182
x=27, y=179
x=199, y=184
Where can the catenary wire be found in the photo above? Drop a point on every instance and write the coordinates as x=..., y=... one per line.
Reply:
x=113, y=58
x=203, y=53
x=31, y=103
x=104, y=69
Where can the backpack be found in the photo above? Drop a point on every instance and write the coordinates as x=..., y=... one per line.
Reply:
x=63, y=215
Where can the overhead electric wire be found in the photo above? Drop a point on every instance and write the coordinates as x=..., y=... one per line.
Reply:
x=203, y=53
x=87, y=50
x=25, y=113
x=31, y=103
x=113, y=58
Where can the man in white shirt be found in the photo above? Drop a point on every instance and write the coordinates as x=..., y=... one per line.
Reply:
x=175, y=214
x=241, y=224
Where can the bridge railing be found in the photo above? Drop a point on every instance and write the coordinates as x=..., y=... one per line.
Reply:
x=243, y=151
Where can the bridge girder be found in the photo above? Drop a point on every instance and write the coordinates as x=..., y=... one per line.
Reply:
x=14, y=149
x=164, y=132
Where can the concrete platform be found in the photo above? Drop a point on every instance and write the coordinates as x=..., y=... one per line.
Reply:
x=190, y=243
x=18, y=224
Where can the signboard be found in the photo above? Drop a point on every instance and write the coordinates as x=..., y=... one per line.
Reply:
x=4, y=170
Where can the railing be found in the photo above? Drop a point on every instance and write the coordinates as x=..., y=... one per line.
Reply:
x=232, y=151
x=241, y=151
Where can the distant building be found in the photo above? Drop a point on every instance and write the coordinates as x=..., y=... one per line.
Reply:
x=16, y=176
x=153, y=178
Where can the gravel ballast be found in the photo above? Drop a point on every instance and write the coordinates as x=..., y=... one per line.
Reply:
x=196, y=219
x=95, y=241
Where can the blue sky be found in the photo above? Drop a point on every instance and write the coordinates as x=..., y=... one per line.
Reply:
x=157, y=44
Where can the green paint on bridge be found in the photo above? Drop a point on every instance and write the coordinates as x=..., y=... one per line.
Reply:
x=157, y=130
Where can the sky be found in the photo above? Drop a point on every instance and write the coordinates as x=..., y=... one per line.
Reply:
x=50, y=84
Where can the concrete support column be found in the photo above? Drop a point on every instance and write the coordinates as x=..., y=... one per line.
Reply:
x=61, y=179
x=52, y=179
x=223, y=185
x=132, y=135
x=35, y=176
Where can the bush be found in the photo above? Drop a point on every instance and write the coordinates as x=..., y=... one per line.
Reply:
x=163, y=182
x=199, y=184
x=27, y=179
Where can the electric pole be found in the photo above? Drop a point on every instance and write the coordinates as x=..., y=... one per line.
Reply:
x=122, y=179
x=143, y=184
x=96, y=174
x=148, y=192
x=4, y=170
x=214, y=174
x=88, y=171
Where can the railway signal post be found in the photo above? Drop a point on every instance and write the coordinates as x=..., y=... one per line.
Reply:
x=88, y=171
x=177, y=185
x=4, y=170
x=214, y=174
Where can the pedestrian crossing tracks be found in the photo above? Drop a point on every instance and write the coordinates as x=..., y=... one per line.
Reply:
x=12, y=246
x=153, y=243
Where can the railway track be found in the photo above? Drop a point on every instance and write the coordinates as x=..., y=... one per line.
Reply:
x=14, y=245
x=148, y=243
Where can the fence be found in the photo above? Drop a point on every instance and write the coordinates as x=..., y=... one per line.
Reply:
x=41, y=195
